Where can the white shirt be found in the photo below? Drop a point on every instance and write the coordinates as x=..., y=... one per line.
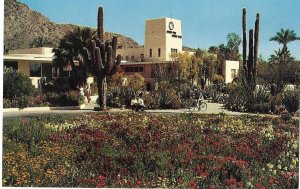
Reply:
x=133, y=102
x=140, y=102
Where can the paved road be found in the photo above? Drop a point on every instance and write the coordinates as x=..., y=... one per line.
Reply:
x=212, y=108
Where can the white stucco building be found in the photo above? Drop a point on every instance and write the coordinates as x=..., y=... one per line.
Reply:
x=230, y=70
x=34, y=62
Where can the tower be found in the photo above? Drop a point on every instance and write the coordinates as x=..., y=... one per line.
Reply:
x=162, y=37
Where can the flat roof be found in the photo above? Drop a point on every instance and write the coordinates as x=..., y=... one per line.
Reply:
x=28, y=57
x=129, y=63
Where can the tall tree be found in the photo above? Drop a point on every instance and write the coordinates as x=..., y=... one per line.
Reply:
x=233, y=43
x=282, y=70
x=284, y=37
x=70, y=50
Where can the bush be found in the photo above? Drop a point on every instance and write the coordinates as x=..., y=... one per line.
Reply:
x=25, y=101
x=217, y=79
x=70, y=98
x=16, y=84
x=167, y=97
x=286, y=117
x=236, y=101
x=261, y=108
x=291, y=100
x=150, y=100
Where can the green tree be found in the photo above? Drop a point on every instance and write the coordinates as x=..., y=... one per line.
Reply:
x=282, y=69
x=233, y=43
x=284, y=37
x=70, y=51
x=16, y=84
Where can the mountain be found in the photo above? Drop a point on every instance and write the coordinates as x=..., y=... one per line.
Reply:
x=23, y=25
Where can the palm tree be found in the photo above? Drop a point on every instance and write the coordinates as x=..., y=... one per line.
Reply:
x=284, y=37
x=69, y=53
x=282, y=69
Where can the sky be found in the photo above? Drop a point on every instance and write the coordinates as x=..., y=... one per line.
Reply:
x=204, y=22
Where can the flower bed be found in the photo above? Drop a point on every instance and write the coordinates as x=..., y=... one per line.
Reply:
x=140, y=150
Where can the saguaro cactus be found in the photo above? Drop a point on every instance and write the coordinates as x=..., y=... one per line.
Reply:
x=100, y=59
x=249, y=66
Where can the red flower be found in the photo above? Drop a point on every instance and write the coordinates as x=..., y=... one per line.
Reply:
x=260, y=186
x=180, y=180
x=101, y=177
x=193, y=184
x=138, y=183
x=231, y=182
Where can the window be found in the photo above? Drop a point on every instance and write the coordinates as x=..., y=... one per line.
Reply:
x=122, y=58
x=173, y=51
x=150, y=52
x=35, y=69
x=126, y=58
x=233, y=73
x=47, y=70
x=9, y=64
x=132, y=57
x=158, y=52
x=40, y=70
x=142, y=57
x=134, y=69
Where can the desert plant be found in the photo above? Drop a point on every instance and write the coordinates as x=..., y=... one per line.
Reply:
x=248, y=79
x=291, y=100
x=100, y=59
x=16, y=84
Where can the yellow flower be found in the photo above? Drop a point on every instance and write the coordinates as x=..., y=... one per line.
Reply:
x=294, y=161
x=270, y=165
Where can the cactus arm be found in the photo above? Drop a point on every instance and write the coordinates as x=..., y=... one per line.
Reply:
x=116, y=66
x=109, y=62
x=256, y=37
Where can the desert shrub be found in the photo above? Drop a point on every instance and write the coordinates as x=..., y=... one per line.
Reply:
x=74, y=98
x=185, y=90
x=151, y=101
x=10, y=103
x=236, y=101
x=286, y=117
x=261, y=102
x=25, y=101
x=16, y=84
x=53, y=98
x=123, y=87
x=261, y=108
x=291, y=100
x=70, y=98
x=167, y=97
x=217, y=78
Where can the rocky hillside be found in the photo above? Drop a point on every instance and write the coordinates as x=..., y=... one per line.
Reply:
x=22, y=26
